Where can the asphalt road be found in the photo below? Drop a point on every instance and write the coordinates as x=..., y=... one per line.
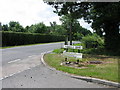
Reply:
x=11, y=54
x=29, y=72
x=43, y=77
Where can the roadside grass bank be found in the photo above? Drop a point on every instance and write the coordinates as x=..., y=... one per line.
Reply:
x=27, y=45
x=108, y=70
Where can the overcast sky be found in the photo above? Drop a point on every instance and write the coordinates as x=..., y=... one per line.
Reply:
x=28, y=12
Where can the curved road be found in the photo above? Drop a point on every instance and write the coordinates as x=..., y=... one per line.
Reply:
x=22, y=68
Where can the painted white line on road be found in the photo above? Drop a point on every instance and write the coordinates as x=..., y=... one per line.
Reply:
x=17, y=72
x=1, y=78
x=14, y=61
x=31, y=56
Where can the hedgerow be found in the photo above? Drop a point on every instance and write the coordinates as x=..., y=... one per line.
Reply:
x=19, y=38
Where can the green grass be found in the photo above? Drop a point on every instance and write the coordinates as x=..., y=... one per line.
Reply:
x=25, y=45
x=108, y=71
x=78, y=44
x=58, y=51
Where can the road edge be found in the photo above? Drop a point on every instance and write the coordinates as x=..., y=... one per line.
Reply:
x=88, y=79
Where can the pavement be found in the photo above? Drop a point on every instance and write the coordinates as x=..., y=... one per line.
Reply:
x=22, y=68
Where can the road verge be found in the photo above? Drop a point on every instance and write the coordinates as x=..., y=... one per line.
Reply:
x=88, y=79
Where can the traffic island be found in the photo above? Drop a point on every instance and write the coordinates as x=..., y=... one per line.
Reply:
x=107, y=71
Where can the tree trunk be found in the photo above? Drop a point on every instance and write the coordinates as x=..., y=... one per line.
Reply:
x=71, y=34
x=66, y=40
x=112, y=37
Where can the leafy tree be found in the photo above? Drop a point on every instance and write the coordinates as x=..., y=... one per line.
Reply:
x=53, y=25
x=59, y=30
x=30, y=29
x=5, y=28
x=37, y=28
x=104, y=16
x=40, y=28
x=76, y=28
x=15, y=27
x=56, y=29
x=27, y=29
x=70, y=25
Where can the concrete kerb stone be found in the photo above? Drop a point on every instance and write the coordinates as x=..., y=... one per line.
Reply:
x=44, y=63
x=88, y=79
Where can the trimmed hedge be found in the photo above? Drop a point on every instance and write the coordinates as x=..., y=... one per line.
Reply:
x=15, y=38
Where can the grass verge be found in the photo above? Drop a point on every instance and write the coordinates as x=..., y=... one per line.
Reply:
x=27, y=45
x=108, y=70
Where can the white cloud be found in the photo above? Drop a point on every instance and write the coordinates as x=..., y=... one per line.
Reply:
x=29, y=12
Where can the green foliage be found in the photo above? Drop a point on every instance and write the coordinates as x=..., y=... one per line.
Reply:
x=58, y=51
x=13, y=38
x=72, y=27
x=92, y=41
x=56, y=29
x=15, y=27
x=37, y=28
x=104, y=18
x=5, y=27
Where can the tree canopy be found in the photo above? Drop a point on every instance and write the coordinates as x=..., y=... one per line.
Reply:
x=104, y=16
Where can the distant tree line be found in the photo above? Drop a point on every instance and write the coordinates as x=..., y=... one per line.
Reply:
x=41, y=28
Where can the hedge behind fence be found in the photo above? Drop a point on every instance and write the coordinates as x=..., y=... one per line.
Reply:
x=13, y=38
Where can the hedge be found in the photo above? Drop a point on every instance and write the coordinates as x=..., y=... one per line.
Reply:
x=15, y=38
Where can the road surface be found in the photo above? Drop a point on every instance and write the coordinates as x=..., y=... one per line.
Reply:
x=22, y=68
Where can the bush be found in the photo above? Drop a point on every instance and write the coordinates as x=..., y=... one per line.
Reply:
x=92, y=41
x=15, y=38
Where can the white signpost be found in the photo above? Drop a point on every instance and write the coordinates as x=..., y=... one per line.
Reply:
x=73, y=47
x=76, y=55
x=78, y=47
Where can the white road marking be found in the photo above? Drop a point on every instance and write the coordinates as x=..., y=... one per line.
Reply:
x=14, y=61
x=16, y=73
x=31, y=56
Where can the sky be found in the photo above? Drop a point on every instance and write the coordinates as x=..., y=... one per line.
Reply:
x=28, y=12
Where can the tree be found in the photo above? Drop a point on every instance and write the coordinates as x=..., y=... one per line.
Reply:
x=66, y=21
x=104, y=16
x=70, y=25
x=76, y=28
x=5, y=28
x=53, y=27
x=15, y=27
x=107, y=18
x=40, y=28
x=37, y=28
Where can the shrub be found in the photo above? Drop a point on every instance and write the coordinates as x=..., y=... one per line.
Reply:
x=92, y=41
x=19, y=38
